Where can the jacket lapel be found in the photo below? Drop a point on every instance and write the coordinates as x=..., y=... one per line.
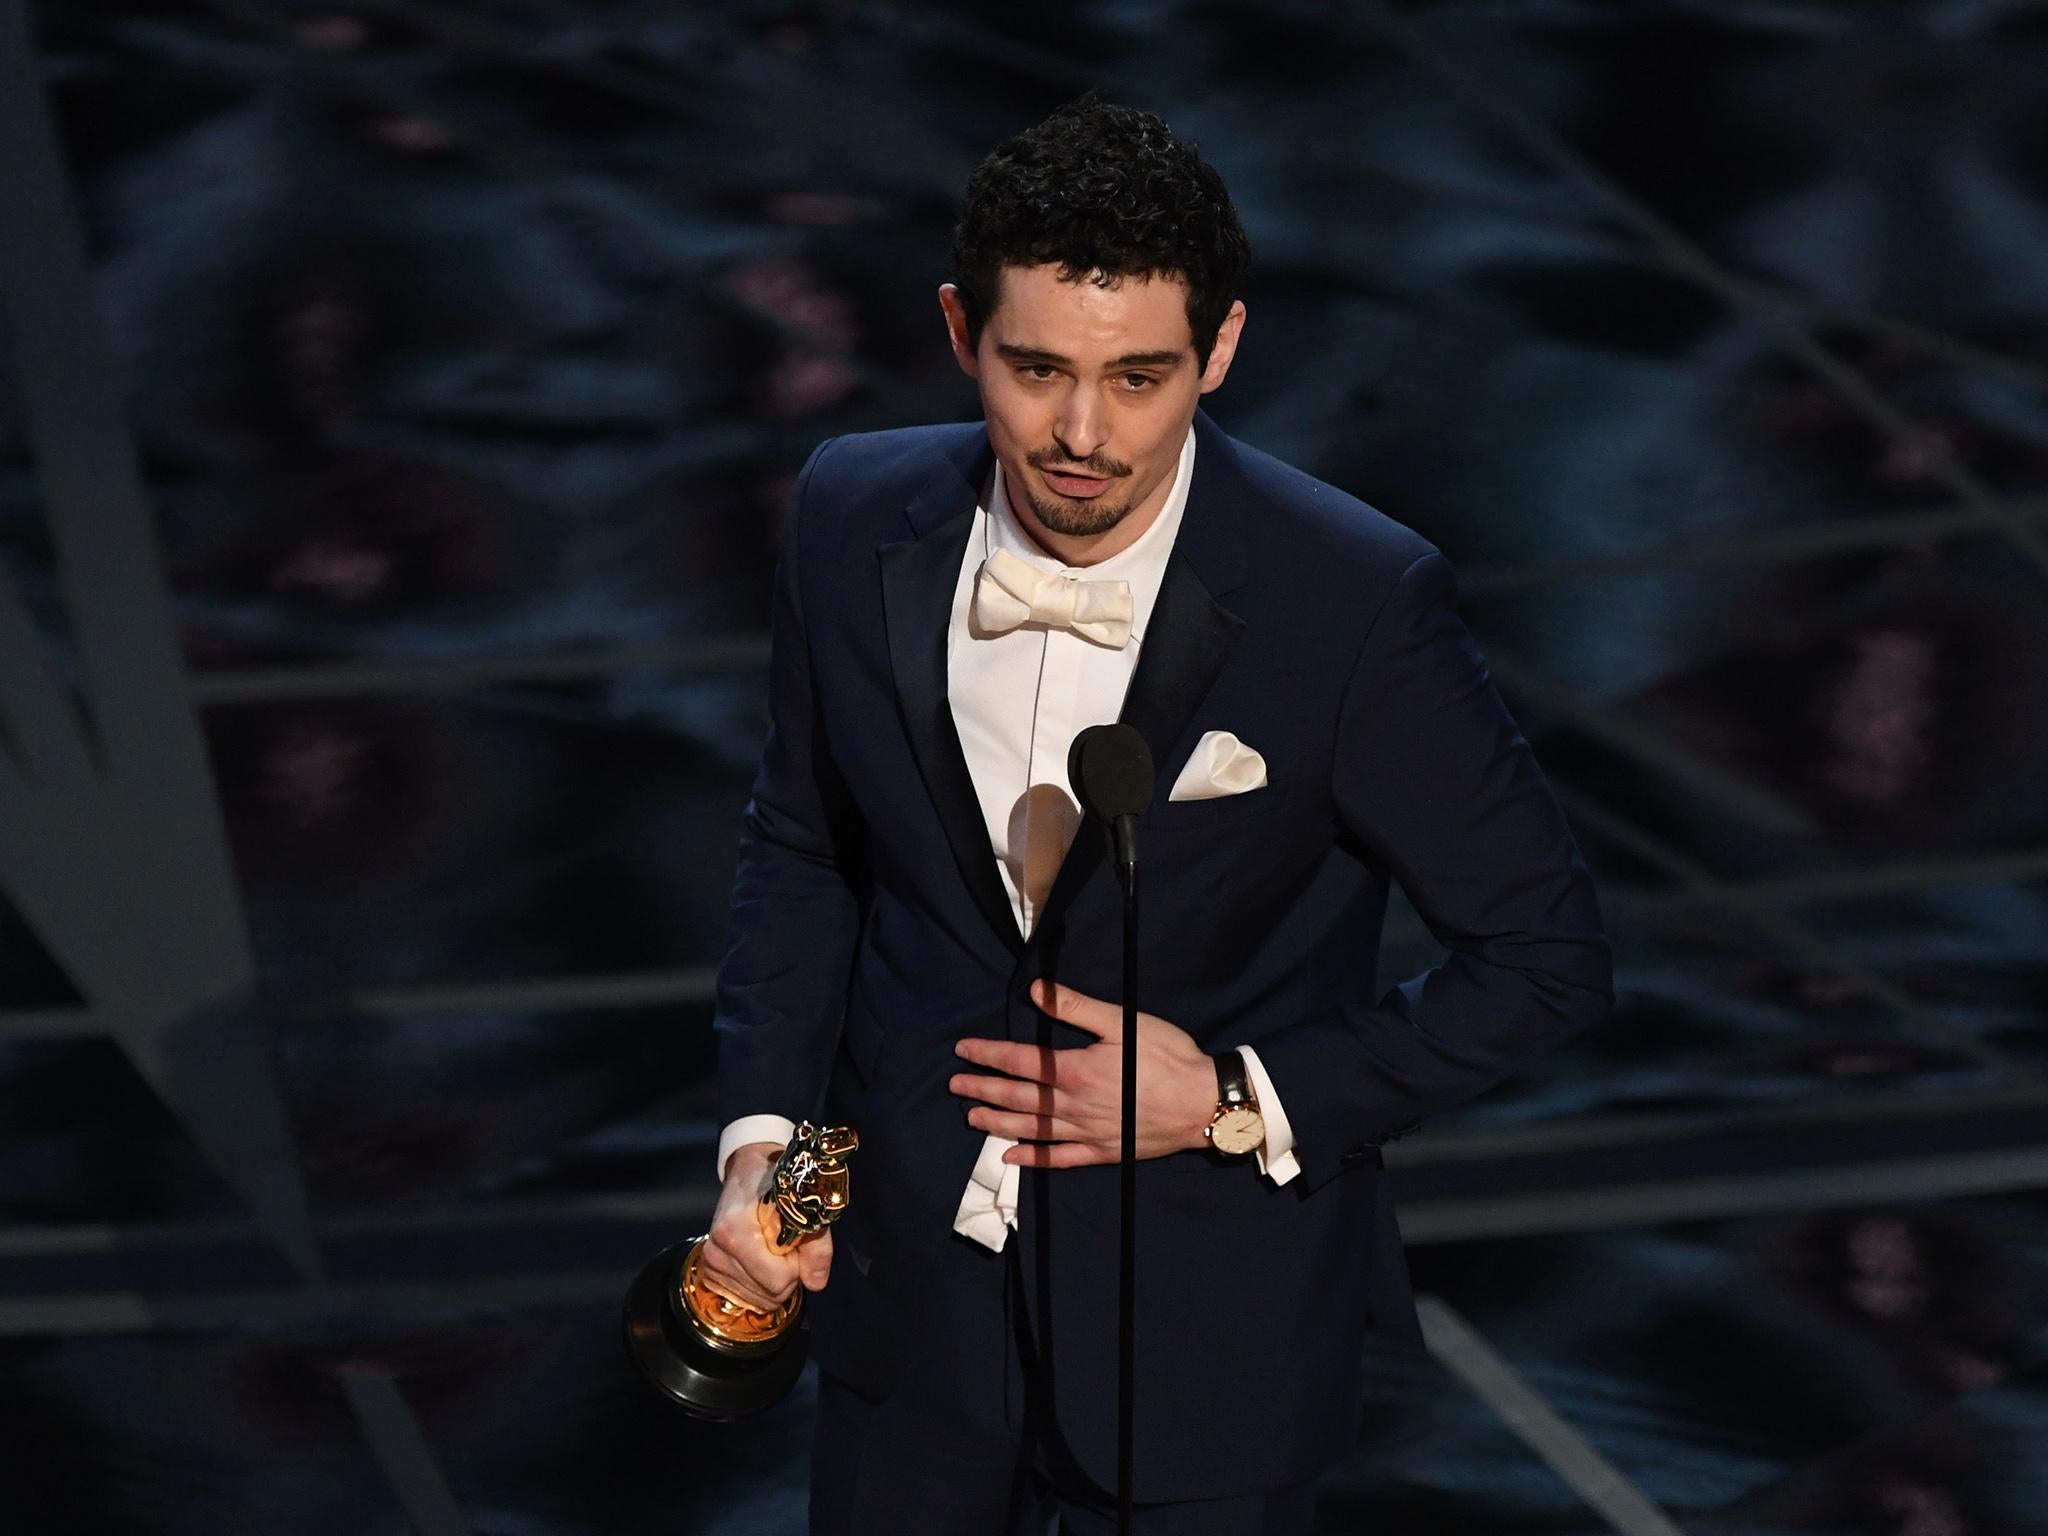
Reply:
x=1187, y=640
x=918, y=577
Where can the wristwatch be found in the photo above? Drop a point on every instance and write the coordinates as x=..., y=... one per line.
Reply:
x=1237, y=1126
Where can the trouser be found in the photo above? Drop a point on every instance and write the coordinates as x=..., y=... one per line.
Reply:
x=963, y=1445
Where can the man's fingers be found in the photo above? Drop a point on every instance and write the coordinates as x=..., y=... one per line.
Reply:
x=1056, y=1154
x=1031, y=1063
x=770, y=1283
x=1018, y=1127
x=1079, y=1009
x=738, y=1295
x=734, y=1287
x=816, y=1255
x=768, y=1218
x=738, y=1258
x=1005, y=1092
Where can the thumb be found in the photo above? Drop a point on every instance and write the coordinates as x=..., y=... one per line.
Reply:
x=1079, y=1009
x=817, y=1261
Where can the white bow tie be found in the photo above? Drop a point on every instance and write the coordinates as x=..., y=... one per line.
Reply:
x=1008, y=591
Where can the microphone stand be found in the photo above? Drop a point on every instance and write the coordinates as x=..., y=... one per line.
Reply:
x=1110, y=768
x=1123, y=843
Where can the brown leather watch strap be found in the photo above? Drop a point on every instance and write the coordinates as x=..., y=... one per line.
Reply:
x=1233, y=1082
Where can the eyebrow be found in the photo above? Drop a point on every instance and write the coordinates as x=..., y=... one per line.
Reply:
x=1018, y=354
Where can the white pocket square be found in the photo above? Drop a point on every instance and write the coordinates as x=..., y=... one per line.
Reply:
x=1219, y=765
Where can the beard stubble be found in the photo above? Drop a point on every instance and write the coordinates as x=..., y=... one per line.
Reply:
x=1078, y=517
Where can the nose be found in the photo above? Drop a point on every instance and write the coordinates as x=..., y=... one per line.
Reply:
x=1081, y=427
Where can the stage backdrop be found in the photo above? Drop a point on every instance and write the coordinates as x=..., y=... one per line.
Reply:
x=399, y=401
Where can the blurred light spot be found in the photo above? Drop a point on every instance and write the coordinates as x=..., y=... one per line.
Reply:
x=311, y=773
x=334, y=33
x=414, y=134
x=337, y=569
x=1890, y=1280
x=1923, y=1511
x=1879, y=718
x=806, y=384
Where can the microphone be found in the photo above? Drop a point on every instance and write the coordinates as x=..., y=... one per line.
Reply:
x=1111, y=770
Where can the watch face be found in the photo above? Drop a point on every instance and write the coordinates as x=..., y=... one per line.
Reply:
x=1238, y=1129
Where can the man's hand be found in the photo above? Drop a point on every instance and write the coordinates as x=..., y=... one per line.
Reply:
x=738, y=1260
x=1065, y=1107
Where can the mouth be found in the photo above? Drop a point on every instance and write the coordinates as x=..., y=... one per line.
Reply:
x=1080, y=486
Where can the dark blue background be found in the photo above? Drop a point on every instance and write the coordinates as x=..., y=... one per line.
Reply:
x=464, y=354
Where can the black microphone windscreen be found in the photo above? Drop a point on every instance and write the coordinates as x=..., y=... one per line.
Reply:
x=1111, y=770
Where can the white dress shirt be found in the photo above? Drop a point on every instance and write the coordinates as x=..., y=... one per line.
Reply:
x=1018, y=699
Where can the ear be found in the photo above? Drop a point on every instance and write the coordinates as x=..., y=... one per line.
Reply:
x=1225, y=348
x=956, y=329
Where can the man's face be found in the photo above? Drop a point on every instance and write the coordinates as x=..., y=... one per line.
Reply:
x=1088, y=391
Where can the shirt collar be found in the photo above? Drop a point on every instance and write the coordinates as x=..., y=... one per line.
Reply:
x=1142, y=564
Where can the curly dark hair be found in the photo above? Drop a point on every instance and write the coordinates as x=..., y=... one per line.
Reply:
x=1098, y=186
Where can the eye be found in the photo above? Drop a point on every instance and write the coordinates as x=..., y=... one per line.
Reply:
x=1037, y=372
x=1135, y=382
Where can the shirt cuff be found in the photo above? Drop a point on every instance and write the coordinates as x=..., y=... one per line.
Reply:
x=1276, y=1154
x=775, y=1128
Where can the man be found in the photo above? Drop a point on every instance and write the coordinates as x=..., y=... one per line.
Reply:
x=926, y=946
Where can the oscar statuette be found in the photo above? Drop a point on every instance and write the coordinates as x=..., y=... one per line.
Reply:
x=714, y=1357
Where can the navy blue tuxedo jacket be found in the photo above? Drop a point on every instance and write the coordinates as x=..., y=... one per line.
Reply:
x=870, y=930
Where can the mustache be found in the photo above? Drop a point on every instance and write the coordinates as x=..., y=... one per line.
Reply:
x=1099, y=465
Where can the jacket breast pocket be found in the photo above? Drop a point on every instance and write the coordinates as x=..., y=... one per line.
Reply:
x=1218, y=811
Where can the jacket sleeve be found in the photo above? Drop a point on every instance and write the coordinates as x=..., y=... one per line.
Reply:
x=795, y=913
x=1433, y=779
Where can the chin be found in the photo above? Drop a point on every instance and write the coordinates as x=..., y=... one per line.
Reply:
x=1077, y=519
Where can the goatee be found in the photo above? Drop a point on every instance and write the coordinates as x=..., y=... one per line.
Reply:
x=1076, y=517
